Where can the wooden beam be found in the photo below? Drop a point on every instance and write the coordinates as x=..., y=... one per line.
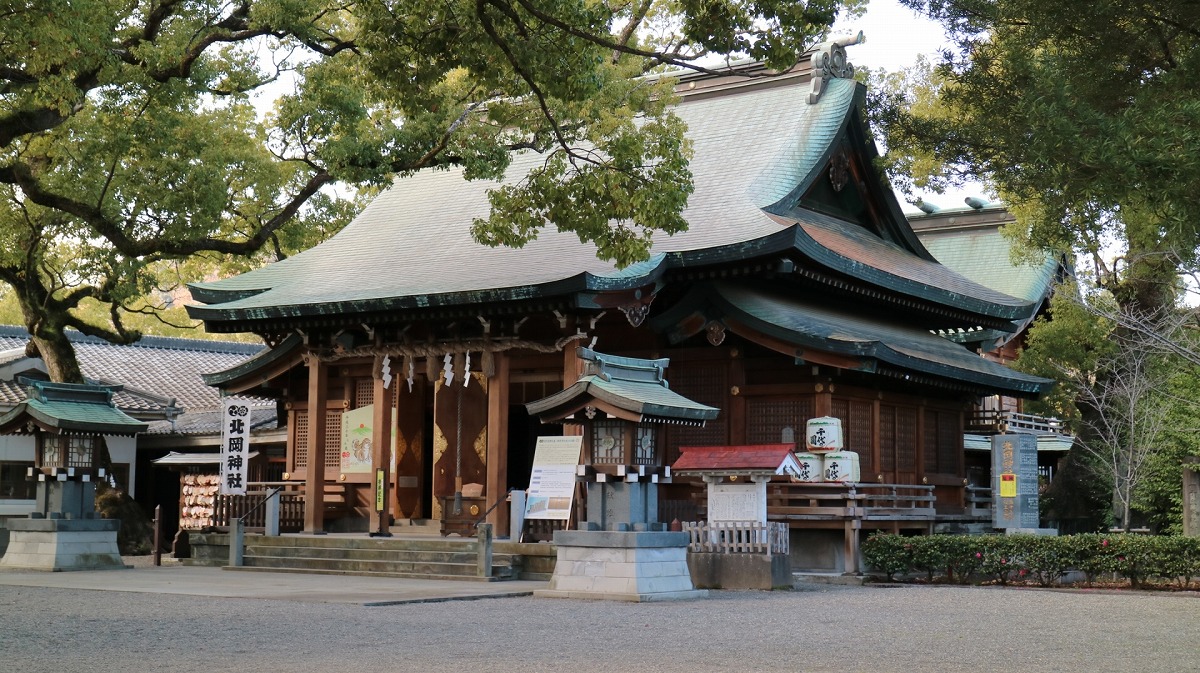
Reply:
x=497, y=443
x=314, y=480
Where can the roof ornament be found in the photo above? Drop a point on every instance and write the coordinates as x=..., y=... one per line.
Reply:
x=829, y=61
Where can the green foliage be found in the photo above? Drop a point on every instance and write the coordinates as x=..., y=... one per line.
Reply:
x=1043, y=560
x=1083, y=122
x=132, y=137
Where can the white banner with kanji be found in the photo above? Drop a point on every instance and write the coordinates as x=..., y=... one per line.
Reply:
x=235, y=446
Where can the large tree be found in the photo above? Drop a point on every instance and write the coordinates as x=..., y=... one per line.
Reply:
x=1084, y=119
x=131, y=133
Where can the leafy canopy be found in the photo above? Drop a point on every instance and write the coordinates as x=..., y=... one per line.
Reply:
x=132, y=141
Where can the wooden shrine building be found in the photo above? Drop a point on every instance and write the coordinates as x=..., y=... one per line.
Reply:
x=798, y=291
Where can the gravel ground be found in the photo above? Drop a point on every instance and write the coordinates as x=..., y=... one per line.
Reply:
x=882, y=630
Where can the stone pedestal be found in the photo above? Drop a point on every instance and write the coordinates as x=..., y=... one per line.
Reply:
x=62, y=544
x=621, y=566
x=741, y=571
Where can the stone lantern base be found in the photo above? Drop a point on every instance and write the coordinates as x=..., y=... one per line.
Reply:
x=621, y=566
x=62, y=544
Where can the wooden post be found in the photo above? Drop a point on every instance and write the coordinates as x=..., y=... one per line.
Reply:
x=158, y=535
x=736, y=428
x=1191, y=497
x=314, y=481
x=572, y=371
x=381, y=443
x=497, y=443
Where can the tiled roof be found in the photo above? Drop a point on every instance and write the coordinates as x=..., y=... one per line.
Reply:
x=752, y=457
x=984, y=255
x=208, y=422
x=806, y=323
x=71, y=407
x=158, y=375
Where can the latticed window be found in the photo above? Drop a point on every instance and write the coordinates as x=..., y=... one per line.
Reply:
x=364, y=393
x=67, y=451
x=300, y=441
x=608, y=442
x=333, y=439
x=644, y=448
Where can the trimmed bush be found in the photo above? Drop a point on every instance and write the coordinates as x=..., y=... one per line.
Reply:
x=1044, y=560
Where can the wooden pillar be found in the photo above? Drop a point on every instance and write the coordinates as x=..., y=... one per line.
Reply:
x=497, y=444
x=381, y=444
x=314, y=481
x=737, y=402
x=823, y=400
x=920, y=447
x=572, y=371
x=876, y=431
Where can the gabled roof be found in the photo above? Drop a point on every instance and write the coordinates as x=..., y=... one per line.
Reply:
x=69, y=408
x=756, y=148
x=632, y=388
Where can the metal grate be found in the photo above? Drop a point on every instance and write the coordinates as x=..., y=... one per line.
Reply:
x=364, y=392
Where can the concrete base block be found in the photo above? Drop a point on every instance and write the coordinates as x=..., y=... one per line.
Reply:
x=62, y=544
x=621, y=566
x=741, y=571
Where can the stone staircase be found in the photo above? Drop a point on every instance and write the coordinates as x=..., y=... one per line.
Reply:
x=426, y=559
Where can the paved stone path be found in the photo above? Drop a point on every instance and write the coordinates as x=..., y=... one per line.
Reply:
x=814, y=630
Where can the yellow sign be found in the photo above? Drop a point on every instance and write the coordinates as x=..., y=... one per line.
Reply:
x=1008, y=485
x=379, y=490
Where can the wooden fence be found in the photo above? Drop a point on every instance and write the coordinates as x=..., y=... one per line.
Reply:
x=229, y=507
x=737, y=537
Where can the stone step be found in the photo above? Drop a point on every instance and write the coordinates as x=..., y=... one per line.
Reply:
x=337, y=542
x=409, y=576
x=381, y=554
x=429, y=569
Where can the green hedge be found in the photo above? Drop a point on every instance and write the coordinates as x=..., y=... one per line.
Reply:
x=1039, y=559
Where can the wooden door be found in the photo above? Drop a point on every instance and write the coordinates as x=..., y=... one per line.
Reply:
x=409, y=467
x=457, y=406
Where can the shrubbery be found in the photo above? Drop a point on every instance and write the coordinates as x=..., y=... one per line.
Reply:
x=1044, y=560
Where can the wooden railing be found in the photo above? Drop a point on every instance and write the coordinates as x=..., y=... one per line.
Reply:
x=991, y=421
x=979, y=501
x=737, y=537
x=788, y=502
x=291, y=510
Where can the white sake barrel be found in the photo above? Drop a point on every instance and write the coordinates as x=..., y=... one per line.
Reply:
x=812, y=468
x=823, y=434
x=841, y=466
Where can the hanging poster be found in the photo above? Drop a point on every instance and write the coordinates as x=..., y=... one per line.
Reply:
x=235, y=446
x=552, y=479
x=358, y=440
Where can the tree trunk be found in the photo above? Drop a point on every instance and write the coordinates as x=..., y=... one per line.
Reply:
x=53, y=347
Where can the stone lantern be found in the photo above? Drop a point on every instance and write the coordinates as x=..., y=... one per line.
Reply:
x=622, y=404
x=68, y=422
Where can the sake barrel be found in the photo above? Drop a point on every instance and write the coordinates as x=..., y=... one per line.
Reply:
x=823, y=434
x=812, y=468
x=841, y=466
